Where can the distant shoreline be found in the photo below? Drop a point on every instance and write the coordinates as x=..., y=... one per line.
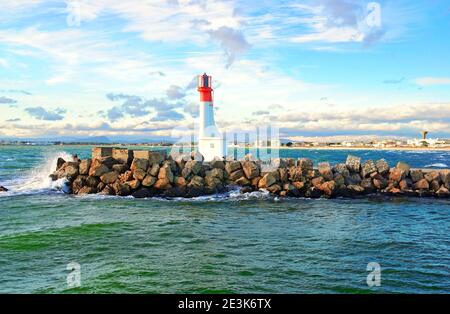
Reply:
x=229, y=147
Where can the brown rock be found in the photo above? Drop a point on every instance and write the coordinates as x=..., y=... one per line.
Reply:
x=121, y=189
x=139, y=163
x=165, y=172
x=368, y=168
x=296, y=173
x=255, y=181
x=324, y=169
x=404, y=185
x=92, y=181
x=380, y=182
x=107, y=190
x=416, y=175
x=396, y=174
x=328, y=188
x=216, y=173
x=139, y=174
x=162, y=184
x=317, y=182
x=283, y=174
x=232, y=166
x=78, y=184
x=180, y=181
x=355, y=189
x=193, y=166
x=305, y=164
x=367, y=185
x=236, y=175
x=120, y=168
x=109, y=177
x=267, y=180
x=243, y=181
x=126, y=176
x=339, y=179
x=100, y=186
x=59, y=163
x=299, y=185
x=134, y=185
x=341, y=169
x=149, y=181
x=382, y=167
x=197, y=181
x=443, y=192
x=353, y=163
x=274, y=188
x=251, y=170
x=86, y=190
x=84, y=166
x=434, y=185
x=445, y=177
x=122, y=155
x=217, y=164
x=153, y=170
x=97, y=168
x=421, y=185
x=432, y=175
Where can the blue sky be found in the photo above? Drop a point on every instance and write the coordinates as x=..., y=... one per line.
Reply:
x=315, y=69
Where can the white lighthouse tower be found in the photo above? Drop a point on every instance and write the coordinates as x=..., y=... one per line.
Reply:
x=211, y=143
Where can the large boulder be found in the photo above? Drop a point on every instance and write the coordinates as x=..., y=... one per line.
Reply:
x=382, y=167
x=236, y=175
x=192, y=167
x=126, y=176
x=162, y=184
x=77, y=184
x=317, y=182
x=443, y=192
x=216, y=173
x=139, y=174
x=251, y=170
x=97, y=168
x=396, y=174
x=121, y=189
x=153, y=170
x=367, y=185
x=92, y=181
x=296, y=174
x=232, y=166
x=134, y=184
x=353, y=163
x=217, y=163
x=197, y=181
x=85, y=165
x=87, y=190
x=109, y=177
x=59, y=163
x=445, y=177
x=416, y=175
x=368, y=168
x=328, y=188
x=305, y=164
x=432, y=175
x=341, y=169
x=165, y=172
x=139, y=163
x=353, y=179
x=149, y=181
x=267, y=180
x=120, y=168
x=422, y=185
x=325, y=171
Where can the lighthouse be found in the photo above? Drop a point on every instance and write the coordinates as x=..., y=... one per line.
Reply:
x=211, y=143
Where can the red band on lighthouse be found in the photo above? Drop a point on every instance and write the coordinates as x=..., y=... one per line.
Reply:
x=205, y=93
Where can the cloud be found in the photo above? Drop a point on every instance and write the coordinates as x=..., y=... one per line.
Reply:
x=42, y=114
x=232, y=41
x=175, y=92
x=429, y=81
x=167, y=115
x=6, y=100
x=13, y=120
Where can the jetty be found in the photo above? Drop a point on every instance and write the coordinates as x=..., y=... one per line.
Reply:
x=143, y=173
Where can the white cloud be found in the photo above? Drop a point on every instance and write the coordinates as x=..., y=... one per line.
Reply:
x=429, y=81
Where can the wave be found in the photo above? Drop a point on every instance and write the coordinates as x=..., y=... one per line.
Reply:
x=37, y=180
x=436, y=165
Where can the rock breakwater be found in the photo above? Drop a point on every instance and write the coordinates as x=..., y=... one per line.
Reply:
x=118, y=171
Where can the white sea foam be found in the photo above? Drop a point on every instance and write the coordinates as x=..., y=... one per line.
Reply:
x=437, y=165
x=37, y=180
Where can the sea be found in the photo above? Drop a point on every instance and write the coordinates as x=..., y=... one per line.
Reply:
x=51, y=242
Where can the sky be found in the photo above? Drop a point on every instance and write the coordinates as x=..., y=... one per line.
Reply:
x=313, y=69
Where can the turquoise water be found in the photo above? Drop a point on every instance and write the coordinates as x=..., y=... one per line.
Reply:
x=226, y=243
